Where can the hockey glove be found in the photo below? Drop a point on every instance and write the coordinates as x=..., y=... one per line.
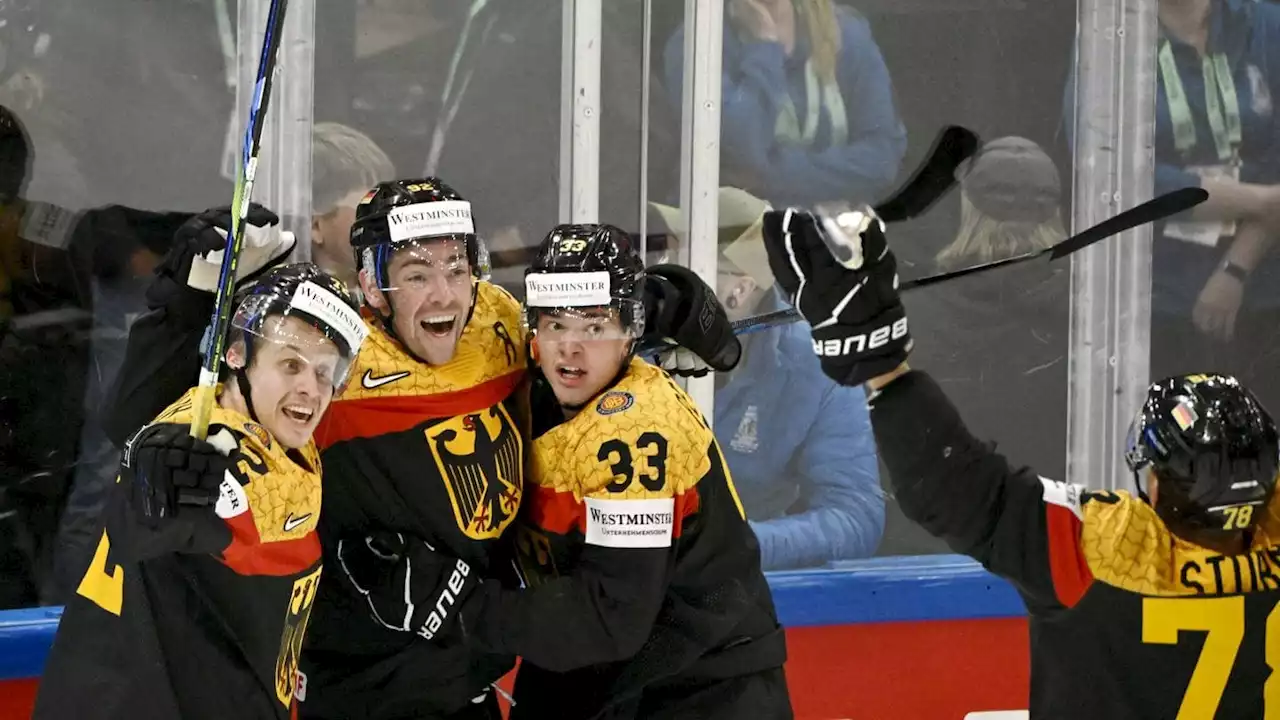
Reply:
x=408, y=585
x=167, y=468
x=681, y=307
x=196, y=255
x=840, y=275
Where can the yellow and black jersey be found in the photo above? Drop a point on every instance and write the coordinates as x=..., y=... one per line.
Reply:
x=436, y=452
x=639, y=564
x=1127, y=620
x=205, y=616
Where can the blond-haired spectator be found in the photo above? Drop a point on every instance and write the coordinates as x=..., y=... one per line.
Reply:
x=345, y=164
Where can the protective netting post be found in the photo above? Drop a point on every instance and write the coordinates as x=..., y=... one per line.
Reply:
x=700, y=154
x=284, y=168
x=1111, y=281
x=580, y=112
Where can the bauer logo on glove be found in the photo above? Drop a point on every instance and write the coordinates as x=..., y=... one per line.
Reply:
x=838, y=272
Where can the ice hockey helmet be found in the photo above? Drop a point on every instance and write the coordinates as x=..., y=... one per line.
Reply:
x=15, y=155
x=399, y=212
x=304, y=291
x=1214, y=449
x=587, y=266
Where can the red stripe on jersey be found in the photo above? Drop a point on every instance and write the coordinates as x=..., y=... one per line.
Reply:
x=371, y=417
x=247, y=555
x=1069, y=570
x=559, y=512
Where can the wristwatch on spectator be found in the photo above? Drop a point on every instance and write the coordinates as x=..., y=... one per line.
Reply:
x=1234, y=270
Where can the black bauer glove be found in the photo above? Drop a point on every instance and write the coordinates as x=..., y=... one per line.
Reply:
x=840, y=275
x=166, y=468
x=681, y=307
x=409, y=586
x=195, y=258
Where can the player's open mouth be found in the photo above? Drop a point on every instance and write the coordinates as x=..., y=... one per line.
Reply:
x=297, y=413
x=570, y=374
x=439, y=325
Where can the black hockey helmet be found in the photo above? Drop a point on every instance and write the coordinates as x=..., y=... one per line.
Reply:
x=306, y=292
x=1214, y=449
x=398, y=213
x=15, y=155
x=579, y=266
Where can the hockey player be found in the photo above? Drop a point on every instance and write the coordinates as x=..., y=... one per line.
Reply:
x=196, y=601
x=429, y=440
x=1158, y=605
x=645, y=597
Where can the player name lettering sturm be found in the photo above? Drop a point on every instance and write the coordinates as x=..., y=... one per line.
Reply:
x=835, y=347
x=448, y=597
x=370, y=382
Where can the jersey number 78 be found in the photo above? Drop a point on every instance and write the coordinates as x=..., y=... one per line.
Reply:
x=1223, y=621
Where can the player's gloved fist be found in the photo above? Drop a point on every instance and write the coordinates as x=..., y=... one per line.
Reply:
x=199, y=245
x=838, y=272
x=167, y=468
x=681, y=307
x=409, y=586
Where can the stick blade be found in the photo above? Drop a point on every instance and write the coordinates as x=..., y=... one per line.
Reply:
x=934, y=178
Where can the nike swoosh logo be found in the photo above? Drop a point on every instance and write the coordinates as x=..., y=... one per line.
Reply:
x=292, y=523
x=370, y=382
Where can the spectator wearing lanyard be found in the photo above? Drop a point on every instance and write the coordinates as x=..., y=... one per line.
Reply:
x=809, y=113
x=1215, y=276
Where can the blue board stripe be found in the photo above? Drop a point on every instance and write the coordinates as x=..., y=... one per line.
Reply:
x=894, y=589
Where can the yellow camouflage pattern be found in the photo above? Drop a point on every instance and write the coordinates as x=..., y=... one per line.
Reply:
x=644, y=433
x=1127, y=546
x=492, y=345
x=281, y=493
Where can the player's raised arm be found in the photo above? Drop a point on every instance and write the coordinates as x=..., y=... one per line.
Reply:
x=162, y=359
x=1017, y=524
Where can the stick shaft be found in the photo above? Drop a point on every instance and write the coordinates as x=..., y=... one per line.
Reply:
x=258, y=103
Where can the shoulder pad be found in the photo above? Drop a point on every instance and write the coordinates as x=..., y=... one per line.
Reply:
x=643, y=438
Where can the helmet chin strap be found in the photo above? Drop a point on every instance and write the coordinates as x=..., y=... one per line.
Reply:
x=242, y=382
x=1137, y=483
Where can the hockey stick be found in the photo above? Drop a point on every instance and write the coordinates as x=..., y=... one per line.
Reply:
x=1153, y=210
x=934, y=178
x=204, y=397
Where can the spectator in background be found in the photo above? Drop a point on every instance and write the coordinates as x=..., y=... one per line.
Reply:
x=1215, y=295
x=996, y=338
x=124, y=246
x=798, y=445
x=45, y=323
x=345, y=165
x=808, y=106
x=470, y=90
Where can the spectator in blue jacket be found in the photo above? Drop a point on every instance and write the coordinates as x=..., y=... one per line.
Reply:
x=799, y=446
x=1215, y=293
x=808, y=112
